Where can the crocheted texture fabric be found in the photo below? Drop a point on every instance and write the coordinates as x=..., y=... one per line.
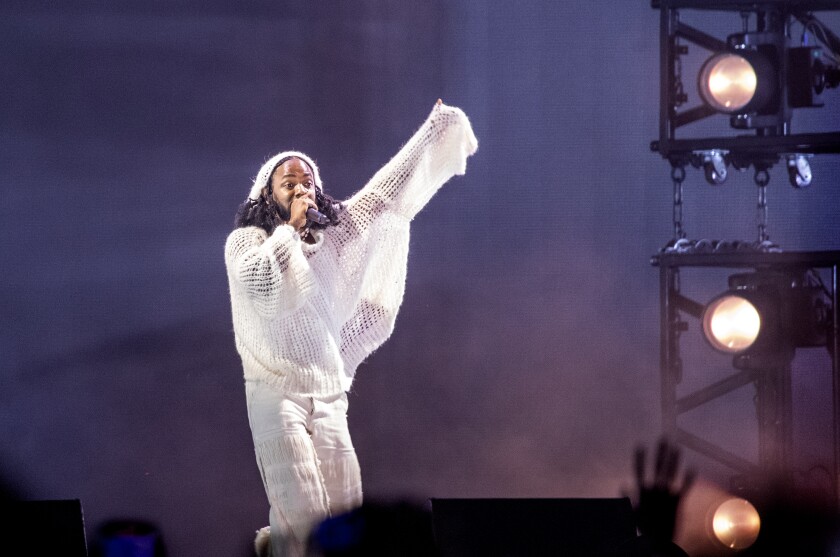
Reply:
x=306, y=315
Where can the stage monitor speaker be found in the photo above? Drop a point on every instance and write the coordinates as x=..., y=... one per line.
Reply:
x=42, y=528
x=533, y=527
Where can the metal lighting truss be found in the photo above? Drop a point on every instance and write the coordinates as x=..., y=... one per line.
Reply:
x=764, y=146
x=772, y=381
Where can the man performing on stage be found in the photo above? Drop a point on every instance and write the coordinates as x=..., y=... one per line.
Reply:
x=315, y=287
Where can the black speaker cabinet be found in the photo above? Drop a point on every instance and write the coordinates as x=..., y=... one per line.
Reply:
x=42, y=528
x=533, y=527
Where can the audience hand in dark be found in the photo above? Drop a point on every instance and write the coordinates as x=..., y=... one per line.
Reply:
x=658, y=500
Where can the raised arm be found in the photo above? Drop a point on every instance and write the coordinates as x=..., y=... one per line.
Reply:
x=435, y=153
x=272, y=271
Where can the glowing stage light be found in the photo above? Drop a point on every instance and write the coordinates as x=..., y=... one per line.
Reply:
x=769, y=313
x=731, y=323
x=739, y=82
x=715, y=523
x=736, y=524
x=727, y=82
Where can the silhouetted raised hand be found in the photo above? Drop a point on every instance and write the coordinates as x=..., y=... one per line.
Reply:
x=659, y=498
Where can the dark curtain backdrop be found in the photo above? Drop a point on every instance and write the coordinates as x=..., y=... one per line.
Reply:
x=525, y=358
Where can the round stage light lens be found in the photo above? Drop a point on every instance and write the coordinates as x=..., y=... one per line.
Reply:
x=731, y=324
x=727, y=82
x=736, y=523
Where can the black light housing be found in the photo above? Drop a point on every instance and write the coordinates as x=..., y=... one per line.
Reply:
x=791, y=72
x=738, y=82
x=746, y=318
x=810, y=73
x=766, y=313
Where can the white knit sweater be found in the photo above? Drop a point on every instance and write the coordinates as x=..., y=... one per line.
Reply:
x=306, y=315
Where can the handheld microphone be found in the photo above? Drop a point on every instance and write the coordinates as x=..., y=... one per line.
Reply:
x=314, y=216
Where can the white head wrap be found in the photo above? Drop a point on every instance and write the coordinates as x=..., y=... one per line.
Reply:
x=264, y=175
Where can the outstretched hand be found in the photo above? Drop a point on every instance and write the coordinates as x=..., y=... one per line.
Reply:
x=658, y=499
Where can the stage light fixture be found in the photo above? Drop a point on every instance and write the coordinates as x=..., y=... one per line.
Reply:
x=766, y=312
x=757, y=77
x=748, y=317
x=734, y=82
x=731, y=323
x=736, y=523
x=715, y=522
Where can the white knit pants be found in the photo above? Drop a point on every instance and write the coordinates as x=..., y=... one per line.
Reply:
x=307, y=462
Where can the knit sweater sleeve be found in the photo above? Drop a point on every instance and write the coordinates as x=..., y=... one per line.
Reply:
x=271, y=271
x=436, y=152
